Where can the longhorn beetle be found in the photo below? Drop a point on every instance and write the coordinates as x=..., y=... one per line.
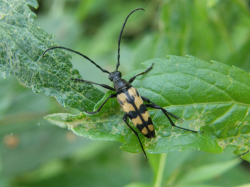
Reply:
x=128, y=97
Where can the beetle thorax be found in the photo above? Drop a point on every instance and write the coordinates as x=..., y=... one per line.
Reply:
x=121, y=84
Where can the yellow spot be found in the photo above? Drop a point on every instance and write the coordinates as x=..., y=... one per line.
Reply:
x=145, y=116
x=144, y=131
x=151, y=127
x=132, y=92
x=127, y=107
x=137, y=120
x=122, y=97
x=138, y=101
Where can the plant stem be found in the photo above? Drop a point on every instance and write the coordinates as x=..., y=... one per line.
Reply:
x=160, y=171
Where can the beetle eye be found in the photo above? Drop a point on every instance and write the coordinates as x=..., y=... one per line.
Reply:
x=110, y=77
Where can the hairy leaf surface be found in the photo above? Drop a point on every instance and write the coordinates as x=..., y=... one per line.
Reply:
x=209, y=96
x=21, y=48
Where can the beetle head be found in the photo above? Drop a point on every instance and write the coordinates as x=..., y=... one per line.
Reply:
x=113, y=76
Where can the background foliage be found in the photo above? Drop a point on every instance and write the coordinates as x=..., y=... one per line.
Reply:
x=35, y=153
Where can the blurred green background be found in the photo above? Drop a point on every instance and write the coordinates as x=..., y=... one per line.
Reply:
x=35, y=153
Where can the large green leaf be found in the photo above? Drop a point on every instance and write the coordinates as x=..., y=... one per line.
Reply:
x=208, y=95
x=21, y=47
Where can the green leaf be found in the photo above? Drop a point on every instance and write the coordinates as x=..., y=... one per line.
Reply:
x=206, y=172
x=208, y=95
x=22, y=44
x=137, y=184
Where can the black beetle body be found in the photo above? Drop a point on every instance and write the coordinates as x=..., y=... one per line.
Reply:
x=128, y=97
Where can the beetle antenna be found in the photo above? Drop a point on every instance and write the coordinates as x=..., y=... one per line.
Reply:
x=103, y=70
x=119, y=41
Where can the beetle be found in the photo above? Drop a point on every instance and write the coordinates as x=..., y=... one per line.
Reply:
x=128, y=97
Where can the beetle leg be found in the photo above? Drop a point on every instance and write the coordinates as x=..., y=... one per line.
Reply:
x=111, y=96
x=153, y=105
x=147, y=70
x=102, y=85
x=148, y=101
x=125, y=117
